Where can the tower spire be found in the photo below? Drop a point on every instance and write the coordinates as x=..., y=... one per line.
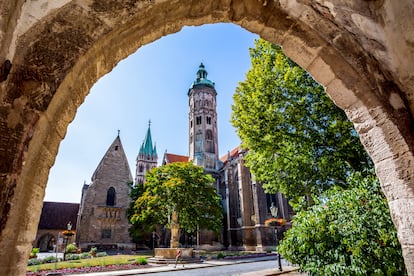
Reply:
x=147, y=157
x=201, y=78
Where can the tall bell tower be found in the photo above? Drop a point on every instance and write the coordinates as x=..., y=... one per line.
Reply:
x=203, y=138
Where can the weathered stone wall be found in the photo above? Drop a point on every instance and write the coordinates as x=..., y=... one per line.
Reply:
x=361, y=51
x=96, y=214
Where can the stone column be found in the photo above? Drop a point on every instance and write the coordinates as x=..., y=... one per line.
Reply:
x=175, y=231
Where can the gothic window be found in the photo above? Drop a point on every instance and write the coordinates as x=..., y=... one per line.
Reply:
x=141, y=168
x=198, y=120
x=116, y=147
x=106, y=233
x=110, y=197
x=208, y=120
x=209, y=135
x=209, y=141
x=191, y=123
x=191, y=139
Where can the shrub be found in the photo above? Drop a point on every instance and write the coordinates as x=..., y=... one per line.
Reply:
x=355, y=234
x=220, y=255
x=101, y=254
x=34, y=252
x=84, y=255
x=141, y=261
x=71, y=248
x=34, y=262
x=71, y=257
x=50, y=259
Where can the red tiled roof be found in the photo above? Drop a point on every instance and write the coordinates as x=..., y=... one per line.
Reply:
x=172, y=158
x=233, y=153
x=56, y=215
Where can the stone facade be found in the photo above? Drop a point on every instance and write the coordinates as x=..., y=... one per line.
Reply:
x=362, y=52
x=247, y=206
x=202, y=116
x=102, y=220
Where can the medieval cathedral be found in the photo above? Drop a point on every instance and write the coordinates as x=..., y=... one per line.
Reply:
x=101, y=218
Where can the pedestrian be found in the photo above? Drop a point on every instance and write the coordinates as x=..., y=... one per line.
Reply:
x=178, y=258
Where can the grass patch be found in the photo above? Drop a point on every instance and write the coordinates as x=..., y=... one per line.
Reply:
x=101, y=261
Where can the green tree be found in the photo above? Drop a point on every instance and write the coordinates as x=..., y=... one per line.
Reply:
x=139, y=229
x=348, y=232
x=181, y=189
x=299, y=142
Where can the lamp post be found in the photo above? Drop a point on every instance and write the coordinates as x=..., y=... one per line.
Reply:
x=67, y=234
x=273, y=211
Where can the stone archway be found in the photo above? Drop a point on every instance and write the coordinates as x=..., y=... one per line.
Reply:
x=45, y=242
x=361, y=51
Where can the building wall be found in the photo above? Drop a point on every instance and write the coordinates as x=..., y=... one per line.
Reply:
x=246, y=207
x=102, y=217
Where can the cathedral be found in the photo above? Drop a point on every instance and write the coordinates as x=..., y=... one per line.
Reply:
x=245, y=204
x=102, y=215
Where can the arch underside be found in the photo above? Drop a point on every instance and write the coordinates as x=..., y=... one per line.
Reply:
x=62, y=54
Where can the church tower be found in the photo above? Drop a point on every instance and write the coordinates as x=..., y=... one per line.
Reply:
x=203, y=139
x=147, y=157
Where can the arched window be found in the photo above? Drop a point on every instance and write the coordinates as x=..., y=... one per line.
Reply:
x=110, y=197
x=141, y=168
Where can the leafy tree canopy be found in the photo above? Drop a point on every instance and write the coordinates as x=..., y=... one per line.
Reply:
x=137, y=230
x=183, y=188
x=348, y=232
x=299, y=142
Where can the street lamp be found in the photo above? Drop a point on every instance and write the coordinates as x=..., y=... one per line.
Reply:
x=273, y=211
x=67, y=234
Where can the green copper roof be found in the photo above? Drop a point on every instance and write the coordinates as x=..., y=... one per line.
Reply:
x=146, y=148
x=202, y=77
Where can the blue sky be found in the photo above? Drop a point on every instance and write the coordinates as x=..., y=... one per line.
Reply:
x=151, y=84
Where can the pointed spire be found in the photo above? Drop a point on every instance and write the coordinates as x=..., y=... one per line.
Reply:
x=141, y=149
x=147, y=149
